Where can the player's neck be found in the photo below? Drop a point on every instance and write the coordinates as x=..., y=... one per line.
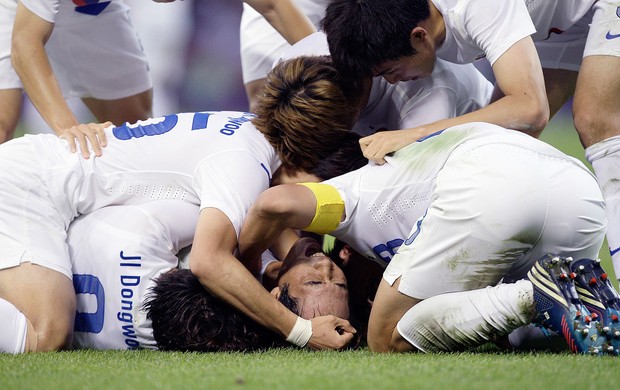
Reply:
x=435, y=25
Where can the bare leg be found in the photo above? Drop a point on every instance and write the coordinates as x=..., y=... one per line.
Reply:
x=11, y=103
x=560, y=85
x=252, y=90
x=388, y=308
x=47, y=299
x=119, y=111
x=596, y=111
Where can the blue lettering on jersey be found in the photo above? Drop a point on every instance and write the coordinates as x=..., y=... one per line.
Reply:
x=388, y=250
x=200, y=121
x=90, y=7
x=127, y=131
x=89, y=322
x=125, y=315
x=235, y=123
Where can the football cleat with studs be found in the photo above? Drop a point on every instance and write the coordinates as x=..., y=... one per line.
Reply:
x=559, y=309
x=601, y=298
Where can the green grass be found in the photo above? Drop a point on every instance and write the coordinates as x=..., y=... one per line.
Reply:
x=290, y=369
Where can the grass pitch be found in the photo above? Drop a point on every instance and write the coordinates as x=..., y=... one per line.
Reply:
x=487, y=368
x=297, y=369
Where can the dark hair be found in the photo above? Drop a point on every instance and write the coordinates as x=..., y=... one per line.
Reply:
x=304, y=111
x=347, y=158
x=186, y=317
x=363, y=34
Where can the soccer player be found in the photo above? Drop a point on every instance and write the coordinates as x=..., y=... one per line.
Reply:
x=262, y=42
x=131, y=295
x=228, y=159
x=453, y=90
x=89, y=50
x=456, y=212
x=571, y=36
x=186, y=317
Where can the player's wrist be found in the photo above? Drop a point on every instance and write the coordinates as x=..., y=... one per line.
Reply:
x=301, y=332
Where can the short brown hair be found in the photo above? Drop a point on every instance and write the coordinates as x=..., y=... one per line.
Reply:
x=304, y=112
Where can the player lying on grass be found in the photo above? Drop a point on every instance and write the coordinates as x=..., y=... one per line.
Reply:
x=450, y=217
x=186, y=317
x=124, y=256
x=219, y=161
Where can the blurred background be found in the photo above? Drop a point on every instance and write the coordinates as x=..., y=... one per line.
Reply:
x=193, y=52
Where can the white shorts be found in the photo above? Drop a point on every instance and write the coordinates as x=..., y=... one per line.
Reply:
x=262, y=45
x=604, y=36
x=477, y=232
x=32, y=226
x=8, y=77
x=101, y=57
x=588, y=37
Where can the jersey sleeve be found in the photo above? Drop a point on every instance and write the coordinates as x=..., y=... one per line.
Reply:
x=231, y=182
x=47, y=9
x=495, y=26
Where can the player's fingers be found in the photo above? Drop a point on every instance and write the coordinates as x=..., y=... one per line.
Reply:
x=344, y=326
x=103, y=141
x=70, y=140
x=82, y=140
x=94, y=143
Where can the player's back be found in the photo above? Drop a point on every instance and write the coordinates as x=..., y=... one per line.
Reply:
x=158, y=159
x=116, y=252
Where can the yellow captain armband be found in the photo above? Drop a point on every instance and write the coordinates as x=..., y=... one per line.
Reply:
x=329, y=208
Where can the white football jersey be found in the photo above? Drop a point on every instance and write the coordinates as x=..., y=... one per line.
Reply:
x=69, y=11
x=451, y=90
x=116, y=252
x=211, y=159
x=383, y=203
x=468, y=36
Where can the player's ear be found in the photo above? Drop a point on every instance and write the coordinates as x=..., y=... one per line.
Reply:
x=345, y=254
x=276, y=292
x=417, y=36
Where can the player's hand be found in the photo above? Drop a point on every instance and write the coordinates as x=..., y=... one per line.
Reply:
x=330, y=332
x=85, y=134
x=375, y=147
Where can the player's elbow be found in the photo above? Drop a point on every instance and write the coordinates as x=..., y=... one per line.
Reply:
x=535, y=116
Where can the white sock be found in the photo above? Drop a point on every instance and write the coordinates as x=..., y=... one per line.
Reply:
x=14, y=328
x=605, y=159
x=458, y=321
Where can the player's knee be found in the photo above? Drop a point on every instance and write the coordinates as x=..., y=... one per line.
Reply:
x=588, y=124
x=379, y=340
x=53, y=334
x=7, y=129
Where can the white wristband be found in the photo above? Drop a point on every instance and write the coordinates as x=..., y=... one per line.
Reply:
x=301, y=332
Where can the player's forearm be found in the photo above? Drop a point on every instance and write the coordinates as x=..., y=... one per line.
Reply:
x=233, y=283
x=285, y=17
x=518, y=113
x=44, y=92
x=276, y=210
x=28, y=56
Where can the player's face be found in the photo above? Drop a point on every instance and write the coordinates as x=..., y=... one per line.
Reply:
x=408, y=68
x=320, y=286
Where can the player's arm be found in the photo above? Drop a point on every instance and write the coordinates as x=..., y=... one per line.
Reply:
x=28, y=56
x=523, y=106
x=313, y=207
x=285, y=17
x=276, y=211
x=212, y=261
